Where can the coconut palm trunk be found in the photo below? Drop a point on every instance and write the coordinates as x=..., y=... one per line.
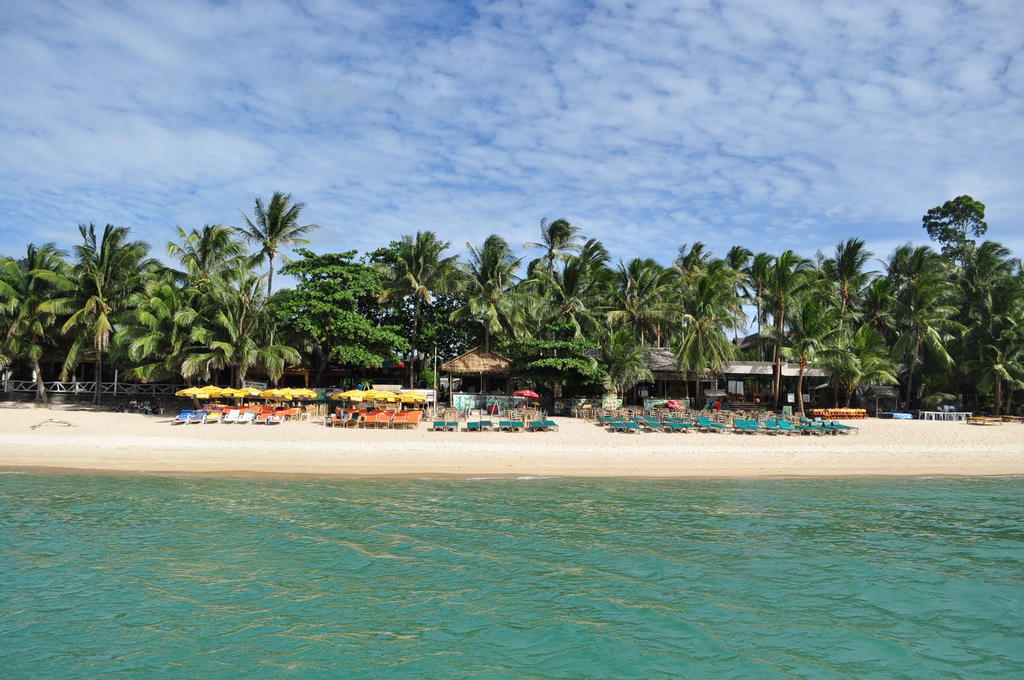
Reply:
x=40, y=387
x=800, y=385
x=99, y=374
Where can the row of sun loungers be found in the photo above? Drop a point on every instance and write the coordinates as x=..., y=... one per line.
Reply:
x=543, y=425
x=378, y=419
x=233, y=416
x=739, y=425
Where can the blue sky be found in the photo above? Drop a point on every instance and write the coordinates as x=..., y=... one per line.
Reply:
x=650, y=124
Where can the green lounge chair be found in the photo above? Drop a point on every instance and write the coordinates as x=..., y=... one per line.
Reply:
x=708, y=425
x=670, y=426
x=478, y=426
x=746, y=426
x=648, y=423
x=538, y=425
x=510, y=425
x=623, y=426
x=550, y=424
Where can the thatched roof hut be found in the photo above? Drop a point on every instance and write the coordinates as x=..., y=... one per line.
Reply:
x=478, y=361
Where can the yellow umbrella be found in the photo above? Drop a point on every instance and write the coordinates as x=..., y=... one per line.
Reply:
x=411, y=397
x=192, y=392
x=212, y=390
x=379, y=395
x=354, y=395
x=304, y=393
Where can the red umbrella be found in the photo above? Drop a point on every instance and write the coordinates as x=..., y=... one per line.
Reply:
x=529, y=394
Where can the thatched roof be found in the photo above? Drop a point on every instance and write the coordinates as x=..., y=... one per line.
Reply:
x=478, y=361
x=662, y=363
x=882, y=392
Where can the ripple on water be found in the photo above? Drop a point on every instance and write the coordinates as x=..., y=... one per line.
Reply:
x=530, y=578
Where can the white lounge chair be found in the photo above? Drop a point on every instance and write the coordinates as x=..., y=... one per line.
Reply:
x=233, y=416
x=246, y=417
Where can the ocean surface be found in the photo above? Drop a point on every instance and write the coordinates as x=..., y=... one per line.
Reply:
x=171, y=577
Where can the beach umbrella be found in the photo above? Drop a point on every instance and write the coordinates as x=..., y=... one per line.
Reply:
x=529, y=394
x=412, y=397
x=191, y=392
x=380, y=395
x=212, y=390
x=304, y=393
x=354, y=395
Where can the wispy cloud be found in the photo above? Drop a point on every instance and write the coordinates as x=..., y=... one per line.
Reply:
x=650, y=125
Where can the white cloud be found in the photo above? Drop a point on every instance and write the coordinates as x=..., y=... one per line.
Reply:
x=792, y=125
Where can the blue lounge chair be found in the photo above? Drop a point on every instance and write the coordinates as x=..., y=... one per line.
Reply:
x=182, y=418
x=197, y=417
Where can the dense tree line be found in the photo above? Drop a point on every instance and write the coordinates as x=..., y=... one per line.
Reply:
x=938, y=323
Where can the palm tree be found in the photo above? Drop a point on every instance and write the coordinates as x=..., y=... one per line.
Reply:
x=846, y=272
x=994, y=309
x=33, y=293
x=109, y=269
x=559, y=239
x=157, y=333
x=238, y=332
x=923, y=308
x=490, y=277
x=812, y=330
x=643, y=299
x=711, y=309
x=787, y=279
x=573, y=295
x=202, y=253
x=757, y=274
x=275, y=226
x=625, y=360
x=418, y=271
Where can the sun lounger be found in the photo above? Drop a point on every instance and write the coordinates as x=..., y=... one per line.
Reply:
x=197, y=417
x=478, y=425
x=182, y=418
x=623, y=426
x=648, y=423
x=445, y=425
x=275, y=419
x=233, y=416
x=708, y=425
x=510, y=425
x=213, y=417
x=539, y=425
x=671, y=426
x=246, y=417
x=550, y=424
x=745, y=426
x=843, y=429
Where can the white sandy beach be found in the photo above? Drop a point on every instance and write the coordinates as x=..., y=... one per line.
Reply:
x=118, y=442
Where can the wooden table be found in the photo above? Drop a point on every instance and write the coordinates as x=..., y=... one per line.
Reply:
x=984, y=420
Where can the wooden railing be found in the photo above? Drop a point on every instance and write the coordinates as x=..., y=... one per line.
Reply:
x=88, y=387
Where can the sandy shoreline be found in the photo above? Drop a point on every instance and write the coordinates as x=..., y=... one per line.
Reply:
x=131, y=443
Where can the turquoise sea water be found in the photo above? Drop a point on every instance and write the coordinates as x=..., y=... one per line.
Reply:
x=159, y=577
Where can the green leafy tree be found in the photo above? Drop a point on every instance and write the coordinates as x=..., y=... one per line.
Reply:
x=569, y=363
x=109, y=269
x=788, y=279
x=845, y=272
x=574, y=295
x=625, y=361
x=205, y=252
x=237, y=331
x=923, y=308
x=711, y=309
x=491, y=296
x=324, y=309
x=643, y=300
x=414, y=271
x=812, y=332
x=953, y=222
x=275, y=226
x=157, y=330
x=559, y=239
x=34, y=292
